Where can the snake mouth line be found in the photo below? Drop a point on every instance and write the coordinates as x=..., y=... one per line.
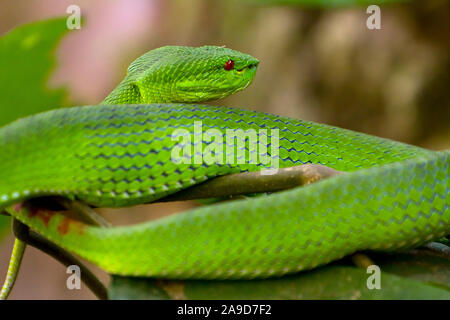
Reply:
x=250, y=66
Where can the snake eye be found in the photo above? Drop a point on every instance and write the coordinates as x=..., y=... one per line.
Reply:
x=229, y=65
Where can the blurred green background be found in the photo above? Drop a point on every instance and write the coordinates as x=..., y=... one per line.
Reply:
x=316, y=64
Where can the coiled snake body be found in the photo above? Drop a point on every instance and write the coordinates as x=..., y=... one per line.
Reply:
x=122, y=155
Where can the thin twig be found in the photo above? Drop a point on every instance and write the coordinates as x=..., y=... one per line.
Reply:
x=254, y=182
x=83, y=212
x=23, y=232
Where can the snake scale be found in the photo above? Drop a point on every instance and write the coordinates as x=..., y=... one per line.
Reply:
x=120, y=153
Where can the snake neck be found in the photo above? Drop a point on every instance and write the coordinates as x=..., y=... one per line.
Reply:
x=125, y=92
x=128, y=92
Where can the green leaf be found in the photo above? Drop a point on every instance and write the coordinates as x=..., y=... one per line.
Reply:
x=405, y=276
x=333, y=282
x=127, y=288
x=26, y=61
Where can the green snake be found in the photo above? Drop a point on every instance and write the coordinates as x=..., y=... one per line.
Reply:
x=120, y=153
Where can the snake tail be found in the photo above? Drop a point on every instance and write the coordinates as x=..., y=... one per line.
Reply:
x=13, y=268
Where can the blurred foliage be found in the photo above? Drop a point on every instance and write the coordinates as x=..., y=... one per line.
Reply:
x=326, y=3
x=419, y=274
x=326, y=66
x=26, y=60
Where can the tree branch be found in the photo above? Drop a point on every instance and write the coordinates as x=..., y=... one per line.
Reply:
x=438, y=247
x=254, y=182
x=83, y=212
x=23, y=232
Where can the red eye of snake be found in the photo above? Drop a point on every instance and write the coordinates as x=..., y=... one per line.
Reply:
x=229, y=65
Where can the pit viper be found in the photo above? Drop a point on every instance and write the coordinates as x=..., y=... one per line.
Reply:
x=121, y=153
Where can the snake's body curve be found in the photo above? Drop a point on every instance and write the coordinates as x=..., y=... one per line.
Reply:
x=112, y=156
x=383, y=208
x=122, y=155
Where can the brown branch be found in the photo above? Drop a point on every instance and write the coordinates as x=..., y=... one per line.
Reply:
x=361, y=260
x=23, y=232
x=83, y=212
x=254, y=182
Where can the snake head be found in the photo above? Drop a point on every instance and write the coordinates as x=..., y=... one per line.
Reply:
x=191, y=74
